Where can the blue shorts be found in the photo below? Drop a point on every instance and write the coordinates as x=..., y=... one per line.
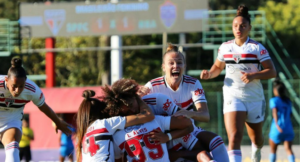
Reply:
x=66, y=151
x=277, y=138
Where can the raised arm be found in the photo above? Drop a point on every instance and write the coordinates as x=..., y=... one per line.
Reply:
x=63, y=126
x=145, y=115
x=214, y=71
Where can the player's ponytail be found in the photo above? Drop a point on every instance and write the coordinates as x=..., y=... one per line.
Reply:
x=90, y=110
x=243, y=11
x=16, y=69
x=87, y=94
x=281, y=89
x=172, y=48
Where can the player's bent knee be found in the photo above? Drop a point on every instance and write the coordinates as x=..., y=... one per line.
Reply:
x=203, y=156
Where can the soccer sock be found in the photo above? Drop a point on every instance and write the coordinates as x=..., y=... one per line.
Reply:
x=272, y=157
x=218, y=149
x=291, y=158
x=12, y=152
x=235, y=155
x=256, y=152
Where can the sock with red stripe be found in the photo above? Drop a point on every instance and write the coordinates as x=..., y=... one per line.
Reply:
x=12, y=152
x=218, y=149
x=235, y=155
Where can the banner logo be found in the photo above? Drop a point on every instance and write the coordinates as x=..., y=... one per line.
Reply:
x=54, y=19
x=168, y=13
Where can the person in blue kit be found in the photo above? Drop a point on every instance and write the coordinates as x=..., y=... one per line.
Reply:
x=66, y=145
x=281, y=127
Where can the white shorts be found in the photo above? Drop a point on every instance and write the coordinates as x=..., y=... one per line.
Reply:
x=255, y=109
x=197, y=130
x=12, y=124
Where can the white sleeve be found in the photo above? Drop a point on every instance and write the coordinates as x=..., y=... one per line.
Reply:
x=163, y=121
x=117, y=151
x=38, y=97
x=149, y=85
x=222, y=50
x=166, y=104
x=198, y=94
x=262, y=53
x=115, y=123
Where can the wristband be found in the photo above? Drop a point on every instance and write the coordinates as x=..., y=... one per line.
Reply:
x=170, y=136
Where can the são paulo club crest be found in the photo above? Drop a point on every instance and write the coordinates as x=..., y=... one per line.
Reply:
x=168, y=13
x=55, y=19
x=236, y=58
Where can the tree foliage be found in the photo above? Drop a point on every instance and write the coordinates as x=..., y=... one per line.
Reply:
x=81, y=68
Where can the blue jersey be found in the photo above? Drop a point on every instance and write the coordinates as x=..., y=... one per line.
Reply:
x=66, y=141
x=284, y=110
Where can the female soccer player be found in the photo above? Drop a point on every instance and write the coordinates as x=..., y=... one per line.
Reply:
x=135, y=140
x=281, y=127
x=15, y=91
x=186, y=91
x=242, y=91
x=95, y=128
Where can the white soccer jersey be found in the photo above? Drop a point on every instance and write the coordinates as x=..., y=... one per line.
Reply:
x=239, y=60
x=11, y=108
x=163, y=105
x=190, y=91
x=135, y=142
x=160, y=104
x=187, y=142
x=97, y=143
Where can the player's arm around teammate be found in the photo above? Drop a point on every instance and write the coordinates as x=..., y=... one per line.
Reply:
x=242, y=58
x=17, y=88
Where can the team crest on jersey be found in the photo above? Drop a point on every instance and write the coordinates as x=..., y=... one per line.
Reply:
x=9, y=101
x=168, y=13
x=2, y=95
x=236, y=58
x=167, y=105
x=54, y=19
x=129, y=129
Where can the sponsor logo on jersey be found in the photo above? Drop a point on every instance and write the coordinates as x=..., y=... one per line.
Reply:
x=129, y=129
x=198, y=92
x=9, y=101
x=168, y=14
x=236, y=58
x=186, y=137
x=167, y=105
x=263, y=52
x=2, y=95
x=54, y=19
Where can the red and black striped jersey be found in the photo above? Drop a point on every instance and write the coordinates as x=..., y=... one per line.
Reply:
x=11, y=108
x=190, y=91
x=239, y=60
